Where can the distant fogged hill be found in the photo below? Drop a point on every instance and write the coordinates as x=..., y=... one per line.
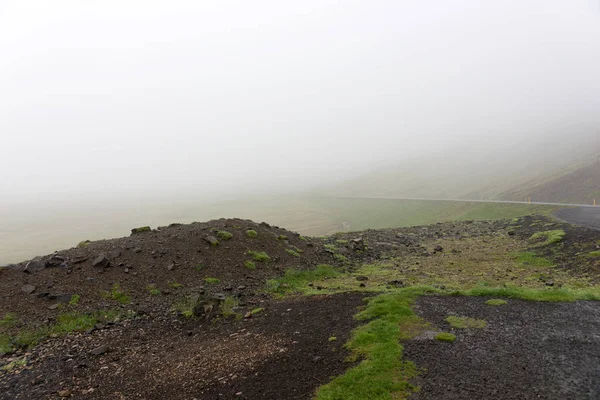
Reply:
x=579, y=186
x=562, y=175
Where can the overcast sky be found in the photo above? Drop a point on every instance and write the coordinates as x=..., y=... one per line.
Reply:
x=128, y=97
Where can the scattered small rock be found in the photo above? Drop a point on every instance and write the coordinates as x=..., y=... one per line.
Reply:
x=99, y=350
x=213, y=241
x=101, y=261
x=357, y=244
x=28, y=289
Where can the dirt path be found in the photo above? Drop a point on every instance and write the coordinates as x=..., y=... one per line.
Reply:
x=283, y=353
x=527, y=351
x=582, y=216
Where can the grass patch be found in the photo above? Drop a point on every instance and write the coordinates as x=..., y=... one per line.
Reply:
x=250, y=264
x=292, y=252
x=257, y=310
x=5, y=344
x=118, y=294
x=382, y=374
x=532, y=259
x=83, y=243
x=224, y=235
x=153, y=290
x=259, y=256
x=65, y=323
x=186, y=306
x=593, y=254
x=282, y=237
x=297, y=280
x=251, y=233
x=332, y=339
x=175, y=285
x=304, y=239
x=74, y=300
x=549, y=237
x=211, y=281
x=340, y=257
x=445, y=337
x=228, y=306
x=465, y=322
x=342, y=241
x=496, y=302
x=330, y=247
x=9, y=320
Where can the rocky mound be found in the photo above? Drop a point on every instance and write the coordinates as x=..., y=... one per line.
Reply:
x=152, y=268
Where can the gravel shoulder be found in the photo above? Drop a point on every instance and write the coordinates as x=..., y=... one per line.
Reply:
x=527, y=351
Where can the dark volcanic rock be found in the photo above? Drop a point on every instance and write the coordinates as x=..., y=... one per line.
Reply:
x=35, y=265
x=357, y=244
x=101, y=261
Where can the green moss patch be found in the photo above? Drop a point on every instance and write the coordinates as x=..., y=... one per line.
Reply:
x=141, y=229
x=251, y=233
x=224, y=235
x=259, y=256
x=445, y=337
x=292, y=252
x=495, y=302
x=530, y=258
x=548, y=237
x=298, y=280
x=382, y=373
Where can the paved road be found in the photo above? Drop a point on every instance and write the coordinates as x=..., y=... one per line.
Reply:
x=541, y=203
x=586, y=215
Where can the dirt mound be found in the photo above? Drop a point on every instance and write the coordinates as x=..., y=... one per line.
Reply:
x=154, y=268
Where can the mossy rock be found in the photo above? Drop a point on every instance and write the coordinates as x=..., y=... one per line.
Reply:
x=141, y=229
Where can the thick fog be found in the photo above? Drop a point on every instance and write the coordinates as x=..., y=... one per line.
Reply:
x=122, y=98
x=128, y=102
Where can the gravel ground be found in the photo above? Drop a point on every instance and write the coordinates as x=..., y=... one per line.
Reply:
x=527, y=351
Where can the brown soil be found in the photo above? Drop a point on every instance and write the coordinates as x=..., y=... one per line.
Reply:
x=282, y=353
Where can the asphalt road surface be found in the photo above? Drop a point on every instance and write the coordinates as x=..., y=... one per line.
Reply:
x=582, y=216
